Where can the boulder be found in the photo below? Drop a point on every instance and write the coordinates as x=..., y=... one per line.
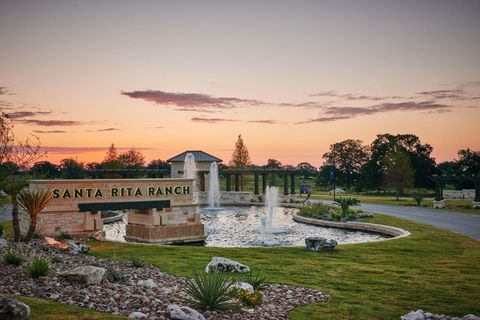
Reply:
x=220, y=264
x=184, y=313
x=320, y=244
x=137, y=315
x=149, y=283
x=74, y=248
x=471, y=317
x=12, y=309
x=86, y=274
x=414, y=315
x=3, y=243
x=245, y=286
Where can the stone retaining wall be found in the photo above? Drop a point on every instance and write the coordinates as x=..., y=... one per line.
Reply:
x=395, y=232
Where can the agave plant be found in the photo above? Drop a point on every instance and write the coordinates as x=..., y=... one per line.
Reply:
x=33, y=202
x=210, y=291
x=345, y=204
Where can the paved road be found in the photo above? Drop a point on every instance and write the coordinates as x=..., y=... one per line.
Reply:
x=466, y=224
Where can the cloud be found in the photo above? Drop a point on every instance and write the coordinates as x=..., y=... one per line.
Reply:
x=25, y=114
x=159, y=127
x=51, y=123
x=49, y=131
x=191, y=101
x=107, y=129
x=444, y=94
x=211, y=120
x=351, y=96
x=263, y=121
x=81, y=150
x=3, y=90
x=341, y=113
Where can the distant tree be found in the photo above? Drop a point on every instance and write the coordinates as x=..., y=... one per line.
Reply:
x=93, y=166
x=45, y=170
x=112, y=154
x=399, y=173
x=132, y=159
x=418, y=153
x=324, y=177
x=160, y=165
x=448, y=167
x=273, y=164
x=240, y=158
x=347, y=157
x=71, y=169
x=469, y=161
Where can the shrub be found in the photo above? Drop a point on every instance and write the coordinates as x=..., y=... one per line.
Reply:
x=255, y=280
x=418, y=198
x=13, y=257
x=316, y=211
x=345, y=204
x=210, y=291
x=248, y=299
x=38, y=267
x=116, y=276
x=64, y=235
x=137, y=262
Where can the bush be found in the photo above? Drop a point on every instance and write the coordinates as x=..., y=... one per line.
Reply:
x=38, y=267
x=13, y=257
x=418, y=198
x=116, y=276
x=64, y=235
x=210, y=291
x=316, y=211
x=248, y=299
x=345, y=204
x=137, y=262
x=255, y=280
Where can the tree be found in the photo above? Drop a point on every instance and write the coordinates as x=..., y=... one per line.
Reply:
x=33, y=202
x=348, y=157
x=112, y=154
x=469, y=161
x=273, y=164
x=72, y=169
x=45, y=170
x=13, y=185
x=418, y=153
x=132, y=159
x=240, y=158
x=399, y=173
x=306, y=169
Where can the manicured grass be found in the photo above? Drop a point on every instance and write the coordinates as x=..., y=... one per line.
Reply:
x=433, y=269
x=46, y=310
x=455, y=205
x=7, y=228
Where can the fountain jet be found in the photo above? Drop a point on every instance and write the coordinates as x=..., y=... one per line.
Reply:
x=213, y=188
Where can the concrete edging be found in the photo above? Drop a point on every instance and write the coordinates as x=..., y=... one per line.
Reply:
x=395, y=232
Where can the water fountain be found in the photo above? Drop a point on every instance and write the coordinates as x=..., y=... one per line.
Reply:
x=213, y=188
x=190, y=172
x=271, y=203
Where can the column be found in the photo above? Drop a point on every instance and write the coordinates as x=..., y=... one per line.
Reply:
x=477, y=190
x=285, y=184
x=237, y=182
x=292, y=183
x=256, y=183
x=227, y=176
x=264, y=182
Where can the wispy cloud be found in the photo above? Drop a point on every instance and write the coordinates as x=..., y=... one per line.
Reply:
x=3, y=90
x=331, y=114
x=51, y=123
x=25, y=114
x=263, y=121
x=107, y=129
x=81, y=150
x=351, y=96
x=190, y=101
x=212, y=120
x=444, y=94
x=50, y=131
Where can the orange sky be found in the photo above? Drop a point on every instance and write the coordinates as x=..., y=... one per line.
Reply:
x=291, y=77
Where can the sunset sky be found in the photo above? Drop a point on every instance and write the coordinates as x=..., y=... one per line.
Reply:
x=292, y=77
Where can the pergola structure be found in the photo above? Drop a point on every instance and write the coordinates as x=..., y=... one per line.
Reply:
x=440, y=182
x=287, y=174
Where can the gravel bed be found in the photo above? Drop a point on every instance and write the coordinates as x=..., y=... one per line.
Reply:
x=125, y=297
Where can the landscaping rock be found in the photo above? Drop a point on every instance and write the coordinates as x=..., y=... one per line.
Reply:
x=147, y=283
x=137, y=315
x=12, y=309
x=421, y=315
x=3, y=243
x=245, y=286
x=220, y=264
x=86, y=274
x=184, y=313
x=74, y=248
x=320, y=244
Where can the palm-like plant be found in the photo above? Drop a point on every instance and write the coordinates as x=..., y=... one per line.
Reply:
x=13, y=185
x=33, y=202
x=345, y=204
x=210, y=291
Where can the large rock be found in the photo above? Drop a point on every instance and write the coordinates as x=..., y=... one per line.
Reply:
x=137, y=315
x=184, y=313
x=245, y=286
x=320, y=244
x=86, y=274
x=74, y=248
x=149, y=283
x=220, y=264
x=12, y=309
x=414, y=315
x=3, y=243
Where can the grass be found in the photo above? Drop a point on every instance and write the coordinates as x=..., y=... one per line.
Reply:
x=433, y=269
x=455, y=205
x=46, y=310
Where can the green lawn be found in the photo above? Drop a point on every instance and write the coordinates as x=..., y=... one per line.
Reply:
x=435, y=270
